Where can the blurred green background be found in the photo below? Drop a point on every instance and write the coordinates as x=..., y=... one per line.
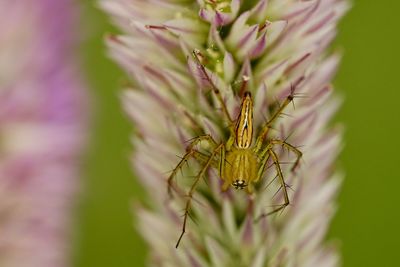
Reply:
x=367, y=222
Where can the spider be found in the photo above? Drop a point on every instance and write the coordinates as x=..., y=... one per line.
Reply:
x=240, y=164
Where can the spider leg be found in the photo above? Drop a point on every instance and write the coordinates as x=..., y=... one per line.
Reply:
x=292, y=148
x=202, y=68
x=202, y=158
x=197, y=57
x=283, y=186
x=263, y=163
x=261, y=170
x=191, y=152
x=267, y=126
x=221, y=163
x=193, y=188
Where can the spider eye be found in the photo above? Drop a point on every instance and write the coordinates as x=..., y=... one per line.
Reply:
x=239, y=184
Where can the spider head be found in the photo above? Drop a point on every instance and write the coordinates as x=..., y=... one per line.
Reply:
x=239, y=184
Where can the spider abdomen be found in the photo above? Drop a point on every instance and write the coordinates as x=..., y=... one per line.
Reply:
x=240, y=169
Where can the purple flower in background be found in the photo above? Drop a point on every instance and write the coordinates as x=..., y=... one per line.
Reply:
x=274, y=46
x=42, y=118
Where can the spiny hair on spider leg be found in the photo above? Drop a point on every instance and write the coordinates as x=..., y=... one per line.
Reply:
x=283, y=115
x=272, y=127
x=288, y=136
x=281, y=208
x=279, y=205
x=180, y=168
x=181, y=158
x=195, y=200
x=227, y=162
x=285, y=163
x=290, y=187
x=272, y=180
x=279, y=189
x=193, y=138
x=190, y=215
x=168, y=172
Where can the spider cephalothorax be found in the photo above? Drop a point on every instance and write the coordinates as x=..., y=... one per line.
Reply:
x=240, y=164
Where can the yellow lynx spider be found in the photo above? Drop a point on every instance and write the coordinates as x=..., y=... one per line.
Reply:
x=240, y=164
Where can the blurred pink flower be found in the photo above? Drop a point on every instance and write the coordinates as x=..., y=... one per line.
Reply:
x=275, y=44
x=42, y=118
